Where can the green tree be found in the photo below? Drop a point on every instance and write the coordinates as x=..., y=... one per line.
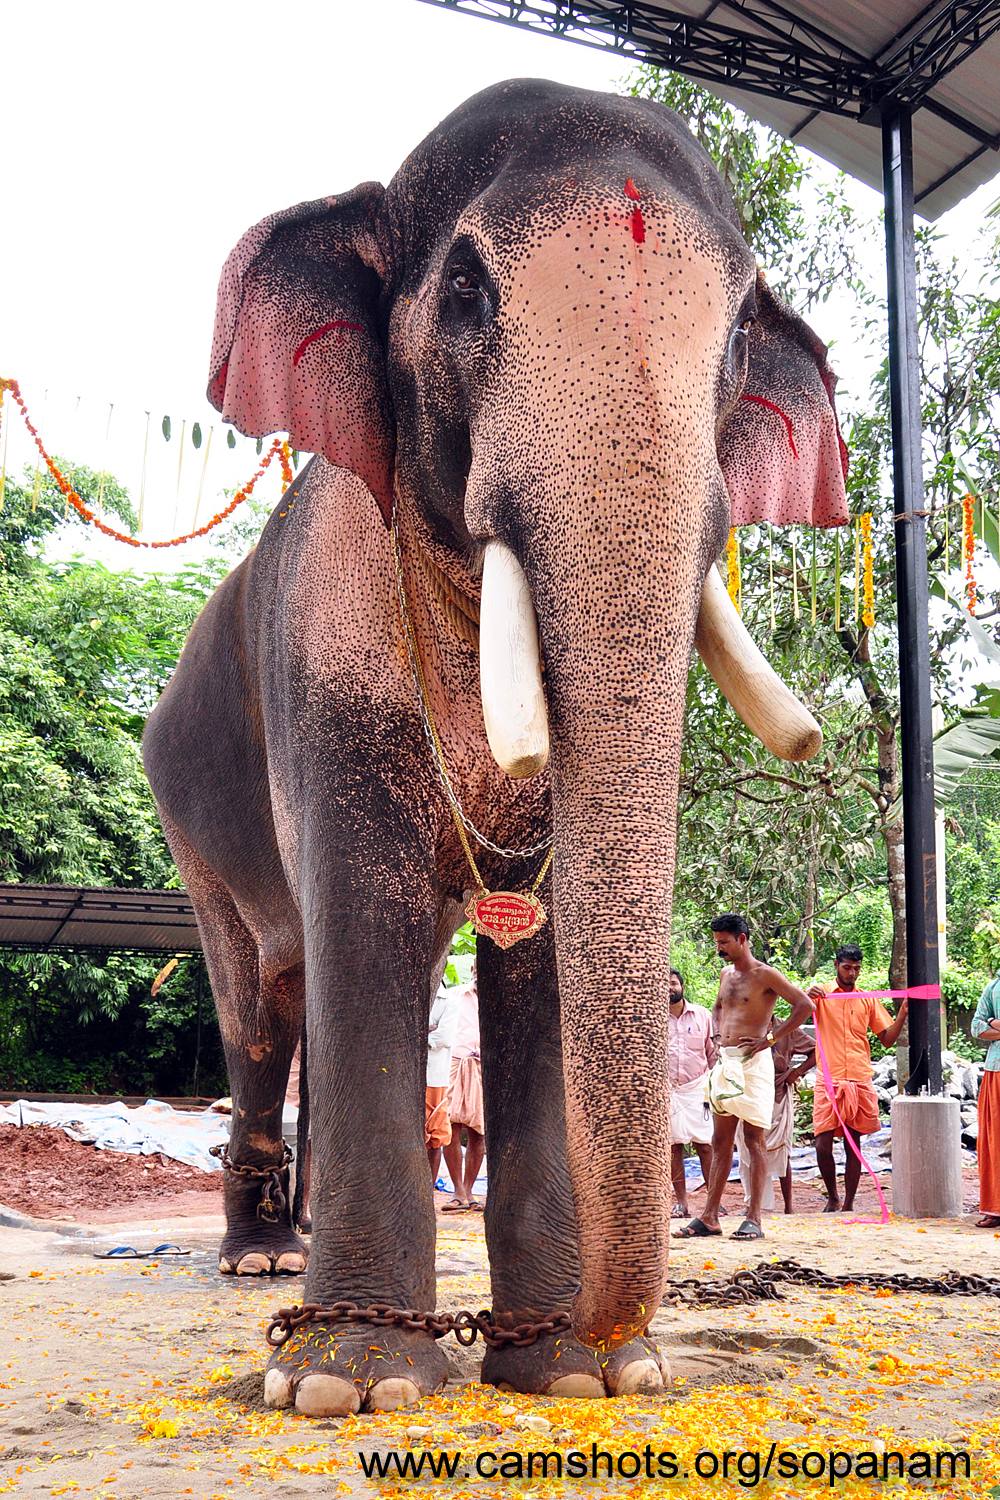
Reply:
x=84, y=653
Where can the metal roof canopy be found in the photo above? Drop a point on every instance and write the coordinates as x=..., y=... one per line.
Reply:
x=820, y=74
x=48, y=918
x=856, y=86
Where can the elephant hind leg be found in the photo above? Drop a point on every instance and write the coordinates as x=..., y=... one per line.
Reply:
x=259, y=990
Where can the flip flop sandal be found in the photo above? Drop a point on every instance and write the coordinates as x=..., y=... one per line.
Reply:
x=679, y=1213
x=475, y=1207
x=129, y=1252
x=696, y=1230
x=748, y=1230
x=456, y=1206
x=988, y=1221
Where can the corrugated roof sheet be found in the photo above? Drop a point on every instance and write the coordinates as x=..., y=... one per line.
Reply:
x=45, y=917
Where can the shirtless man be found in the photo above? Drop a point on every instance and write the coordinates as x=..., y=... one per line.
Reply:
x=741, y=1085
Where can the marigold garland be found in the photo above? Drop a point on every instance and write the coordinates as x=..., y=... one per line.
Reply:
x=734, y=583
x=868, y=571
x=969, y=550
x=278, y=449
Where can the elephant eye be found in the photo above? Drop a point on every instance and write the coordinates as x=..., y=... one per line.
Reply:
x=464, y=284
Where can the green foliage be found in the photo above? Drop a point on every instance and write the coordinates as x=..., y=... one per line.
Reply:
x=84, y=653
x=462, y=957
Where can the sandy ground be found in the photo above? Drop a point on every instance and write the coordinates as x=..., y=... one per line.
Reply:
x=138, y=1379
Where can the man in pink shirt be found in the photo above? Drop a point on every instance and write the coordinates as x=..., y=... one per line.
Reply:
x=692, y=1055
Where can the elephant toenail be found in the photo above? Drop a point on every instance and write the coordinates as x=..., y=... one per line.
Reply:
x=576, y=1385
x=639, y=1375
x=292, y=1263
x=389, y=1395
x=253, y=1264
x=326, y=1396
x=277, y=1389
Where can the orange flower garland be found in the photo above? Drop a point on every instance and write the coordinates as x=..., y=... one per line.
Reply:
x=734, y=582
x=868, y=571
x=969, y=550
x=278, y=449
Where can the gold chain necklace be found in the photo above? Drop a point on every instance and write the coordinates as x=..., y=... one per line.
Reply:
x=505, y=916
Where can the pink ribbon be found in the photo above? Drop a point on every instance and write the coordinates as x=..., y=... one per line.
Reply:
x=914, y=992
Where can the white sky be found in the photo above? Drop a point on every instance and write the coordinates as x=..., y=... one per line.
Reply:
x=141, y=142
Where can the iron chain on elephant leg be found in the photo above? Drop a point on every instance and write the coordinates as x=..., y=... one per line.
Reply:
x=466, y=1326
x=274, y=1182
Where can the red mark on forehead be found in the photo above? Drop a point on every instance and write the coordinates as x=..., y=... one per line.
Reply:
x=770, y=406
x=636, y=222
x=318, y=333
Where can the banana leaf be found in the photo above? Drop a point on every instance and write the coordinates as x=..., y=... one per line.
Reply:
x=960, y=749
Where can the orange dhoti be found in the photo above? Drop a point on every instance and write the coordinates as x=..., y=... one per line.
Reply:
x=988, y=1143
x=857, y=1103
x=466, y=1093
x=437, y=1125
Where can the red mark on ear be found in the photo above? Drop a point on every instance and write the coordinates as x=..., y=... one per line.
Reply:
x=770, y=406
x=637, y=222
x=320, y=332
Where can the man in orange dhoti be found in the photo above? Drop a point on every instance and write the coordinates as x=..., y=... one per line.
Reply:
x=986, y=1026
x=843, y=1020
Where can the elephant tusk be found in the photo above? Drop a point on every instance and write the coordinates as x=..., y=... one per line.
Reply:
x=767, y=707
x=510, y=674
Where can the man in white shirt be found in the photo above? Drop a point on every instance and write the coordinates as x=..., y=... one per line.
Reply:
x=465, y=1099
x=437, y=1125
x=692, y=1054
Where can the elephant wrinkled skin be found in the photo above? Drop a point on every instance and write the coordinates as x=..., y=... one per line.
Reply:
x=547, y=335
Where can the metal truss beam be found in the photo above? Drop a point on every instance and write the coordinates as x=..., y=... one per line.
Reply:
x=786, y=57
x=775, y=66
x=943, y=41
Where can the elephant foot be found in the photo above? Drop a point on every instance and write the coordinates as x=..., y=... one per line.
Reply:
x=261, y=1249
x=560, y=1365
x=333, y=1370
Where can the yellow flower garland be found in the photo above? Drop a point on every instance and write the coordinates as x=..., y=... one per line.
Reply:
x=734, y=582
x=969, y=550
x=868, y=571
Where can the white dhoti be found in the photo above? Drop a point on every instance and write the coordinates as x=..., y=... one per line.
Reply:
x=777, y=1144
x=743, y=1086
x=690, y=1117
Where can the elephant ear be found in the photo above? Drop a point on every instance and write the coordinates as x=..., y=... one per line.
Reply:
x=297, y=347
x=781, y=451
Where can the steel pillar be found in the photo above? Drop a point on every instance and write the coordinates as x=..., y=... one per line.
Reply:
x=916, y=735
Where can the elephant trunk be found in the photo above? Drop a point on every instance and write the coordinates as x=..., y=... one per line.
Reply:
x=616, y=723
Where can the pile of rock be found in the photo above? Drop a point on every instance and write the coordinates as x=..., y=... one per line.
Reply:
x=961, y=1081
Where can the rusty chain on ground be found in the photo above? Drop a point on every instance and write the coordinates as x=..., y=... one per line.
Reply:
x=273, y=1198
x=762, y=1284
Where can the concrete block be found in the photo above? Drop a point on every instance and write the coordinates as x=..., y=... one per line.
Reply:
x=926, y=1157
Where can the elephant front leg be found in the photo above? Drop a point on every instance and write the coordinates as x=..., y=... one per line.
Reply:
x=367, y=1004
x=530, y=1220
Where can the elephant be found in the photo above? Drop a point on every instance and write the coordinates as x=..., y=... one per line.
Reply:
x=540, y=375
